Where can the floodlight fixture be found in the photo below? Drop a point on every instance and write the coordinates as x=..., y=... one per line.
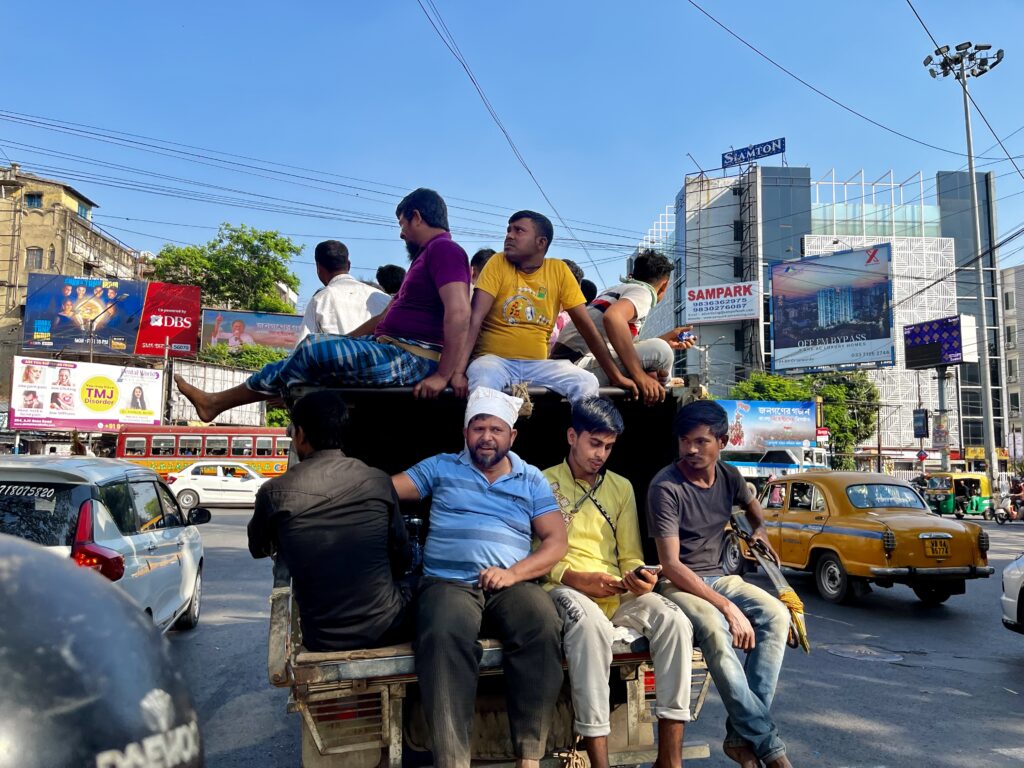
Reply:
x=928, y=60
x=982, y=47
x=942, y=51
x=963, y=47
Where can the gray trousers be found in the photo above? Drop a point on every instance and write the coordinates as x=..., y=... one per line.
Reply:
x=655, y=355
x=588, y=649
x=451, y=617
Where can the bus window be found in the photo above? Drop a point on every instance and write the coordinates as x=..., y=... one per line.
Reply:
x=283, y=445
x=135, y=446
x=190, y=445
x=216, y=446
x=264, y=446
x=241, y=446
x=163, y=445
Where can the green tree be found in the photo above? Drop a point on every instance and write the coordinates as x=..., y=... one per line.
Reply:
x=238, y=269
x=849, y=404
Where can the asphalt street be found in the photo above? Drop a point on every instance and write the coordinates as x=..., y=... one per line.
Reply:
x=889, y=682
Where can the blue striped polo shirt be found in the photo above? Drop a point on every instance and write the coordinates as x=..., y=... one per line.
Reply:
x=475, y=524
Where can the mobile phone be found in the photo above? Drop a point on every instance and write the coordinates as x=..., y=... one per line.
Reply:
x=684, y=336
x=655, y=569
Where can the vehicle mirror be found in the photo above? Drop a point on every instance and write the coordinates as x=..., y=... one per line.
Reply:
x=198, y=516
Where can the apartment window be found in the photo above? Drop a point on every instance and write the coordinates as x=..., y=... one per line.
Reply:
x=34, y=200
x=1011, y=335
x=52, y=258
x=737, y=191
x=33, y=258
x=1008, y=303
x=737, y=339
x=737, y=266
x=1011, y=369
x=737, y=230
x=83, y=211
x=1014, y=404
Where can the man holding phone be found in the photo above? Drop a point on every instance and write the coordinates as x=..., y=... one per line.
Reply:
x=602, y=583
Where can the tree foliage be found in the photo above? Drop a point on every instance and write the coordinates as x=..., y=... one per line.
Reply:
x=238, y=269
x=849, y=404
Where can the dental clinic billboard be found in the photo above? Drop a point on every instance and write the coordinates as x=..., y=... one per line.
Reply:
x=757, y=425
x=91, y=397
x=110, y=316
x=724, y=303
x=833, y=311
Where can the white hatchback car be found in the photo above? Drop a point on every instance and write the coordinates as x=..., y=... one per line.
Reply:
x=116, y=518
x=216, y=484
x=1013, y=595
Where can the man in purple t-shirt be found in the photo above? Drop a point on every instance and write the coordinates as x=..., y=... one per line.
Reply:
x=416, y=341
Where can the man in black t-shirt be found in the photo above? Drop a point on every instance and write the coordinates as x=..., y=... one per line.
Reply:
x=688, y=506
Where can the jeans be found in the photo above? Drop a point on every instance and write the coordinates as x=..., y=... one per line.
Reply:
x=451, y=617
x=746, y=687
x=655, y=356
x=561, y=376
x=588, y=650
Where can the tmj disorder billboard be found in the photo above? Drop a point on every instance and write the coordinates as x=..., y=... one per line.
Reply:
x=120, y=317
x=833, y=310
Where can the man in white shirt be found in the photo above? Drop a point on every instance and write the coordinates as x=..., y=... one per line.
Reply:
x=344, y=303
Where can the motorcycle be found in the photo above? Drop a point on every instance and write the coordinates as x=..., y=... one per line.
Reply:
x=1014, y=510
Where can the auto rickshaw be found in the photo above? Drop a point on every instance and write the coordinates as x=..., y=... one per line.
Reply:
x=959, y=494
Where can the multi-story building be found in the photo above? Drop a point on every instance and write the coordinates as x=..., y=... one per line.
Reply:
x=46, y=226
x=735, y=228
x=1012, y=279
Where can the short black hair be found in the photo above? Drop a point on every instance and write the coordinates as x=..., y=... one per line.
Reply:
x=540, y=221
x=481, y=257
x=431, y=206
x=598, y=415
x=332, y=256
x=589, y=289
x=322, y=416
x=650, y=266
x=577, y=272
x=390, y=277
x=699, y=413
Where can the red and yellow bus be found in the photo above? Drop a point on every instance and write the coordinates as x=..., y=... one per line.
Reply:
x=171, y=449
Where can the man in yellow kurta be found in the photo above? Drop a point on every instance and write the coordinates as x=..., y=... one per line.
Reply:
x=515, y=303
x=602, y=583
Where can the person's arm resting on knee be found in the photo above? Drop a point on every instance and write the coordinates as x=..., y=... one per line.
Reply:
x=549, y=530
x=585, y=327
x=616, y=320
x=482, y=303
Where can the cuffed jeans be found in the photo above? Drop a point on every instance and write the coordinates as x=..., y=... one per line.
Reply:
x=451, y=617
x=656, y=356
x=560, y=376
x=748, y=687
x=588, y=649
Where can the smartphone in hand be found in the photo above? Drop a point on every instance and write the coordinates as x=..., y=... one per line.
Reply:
x=655, y=569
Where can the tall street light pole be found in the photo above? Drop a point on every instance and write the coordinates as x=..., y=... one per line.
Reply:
x=964, y=61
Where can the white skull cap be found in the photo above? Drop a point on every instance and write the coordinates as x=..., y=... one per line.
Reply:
x=491, y=402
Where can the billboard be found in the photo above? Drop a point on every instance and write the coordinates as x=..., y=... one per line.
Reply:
x=757, y=425
x=91, y=397
x=238, y=328
x=722, y=303
x=833, y=310
x=753, y=152
x=122, y=317
x=946, y=341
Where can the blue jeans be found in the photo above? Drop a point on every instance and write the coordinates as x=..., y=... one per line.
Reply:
x=560, y=376
x=746, y=687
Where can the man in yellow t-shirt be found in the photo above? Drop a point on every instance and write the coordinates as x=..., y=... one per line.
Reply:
x=601, y=583
x=518, y=296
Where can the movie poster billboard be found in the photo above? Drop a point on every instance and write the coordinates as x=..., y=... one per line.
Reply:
x=235, y=329
x=117, y=317
x=91, y=397
x=759, y=425
x=833, y=310
x=722, y=303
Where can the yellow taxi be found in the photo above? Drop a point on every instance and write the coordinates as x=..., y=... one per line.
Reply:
x=853, y=529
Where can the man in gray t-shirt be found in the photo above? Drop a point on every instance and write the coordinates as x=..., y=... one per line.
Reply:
x=688, y=506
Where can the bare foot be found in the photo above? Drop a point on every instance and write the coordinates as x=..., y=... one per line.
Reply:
x=198, y=398
x=780, y=762
x=743, y=755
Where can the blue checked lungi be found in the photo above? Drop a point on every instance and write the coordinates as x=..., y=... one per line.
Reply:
x=323, y=359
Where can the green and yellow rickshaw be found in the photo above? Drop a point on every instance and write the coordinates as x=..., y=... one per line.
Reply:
x=959, y=494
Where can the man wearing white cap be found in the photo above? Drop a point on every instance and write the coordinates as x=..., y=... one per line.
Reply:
x=479, y=579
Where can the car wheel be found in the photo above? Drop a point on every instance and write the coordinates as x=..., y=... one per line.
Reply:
x=190, y=618
x=931, y=595
x=831, y=578
x=733, y=561
x=188, y=500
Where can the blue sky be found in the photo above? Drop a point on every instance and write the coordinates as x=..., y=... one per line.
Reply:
x=604, y=100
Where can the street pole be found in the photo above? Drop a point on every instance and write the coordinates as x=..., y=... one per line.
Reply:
x=943, y=452
x=878, y=431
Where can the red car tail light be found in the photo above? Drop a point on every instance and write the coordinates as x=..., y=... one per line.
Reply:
x=88, y=554
x=171, y=479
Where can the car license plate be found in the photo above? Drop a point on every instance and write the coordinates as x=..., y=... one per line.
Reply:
x=936, y=548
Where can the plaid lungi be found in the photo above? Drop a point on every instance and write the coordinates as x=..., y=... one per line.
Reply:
x=323, y=359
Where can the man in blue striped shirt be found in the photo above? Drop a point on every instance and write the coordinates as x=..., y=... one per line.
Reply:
x=479, y=579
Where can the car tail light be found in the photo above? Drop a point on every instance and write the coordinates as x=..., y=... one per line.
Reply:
x=888, y=541
x=983, y=541
x=88, y=554
x=171, y=479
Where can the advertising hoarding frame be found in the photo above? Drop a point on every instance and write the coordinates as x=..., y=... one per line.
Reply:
x=251, y=321
x=743, y=295
x=749, y=419
x=884, y=358
x=953, y=341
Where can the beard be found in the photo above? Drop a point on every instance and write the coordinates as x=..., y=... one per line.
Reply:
x=413, y=250
x=486, y=462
